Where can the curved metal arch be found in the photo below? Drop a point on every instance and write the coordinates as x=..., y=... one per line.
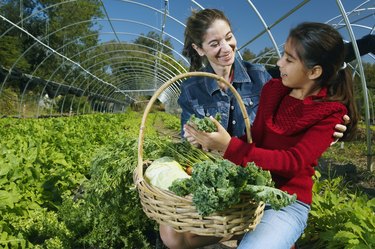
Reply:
x=104, y=86
x=167, y=74
x=142, y=24
x=102, y=93
x=36, y=13
x=267, y=28
x=140, y=65
x=87, y=50
x=55, y=51
x=138, y=51
x=141, y=59
x=80, y=52
x=55, y=5
x=143, y=36
x=139, y=69
x=354, y=10
x=265, y=57
x=154, y=9
x=363, y=81
x=49, y=48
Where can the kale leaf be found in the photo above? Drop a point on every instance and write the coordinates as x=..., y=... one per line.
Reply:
x=257, y=176
x=217, y=185
x=204, y=124
x=272, y=196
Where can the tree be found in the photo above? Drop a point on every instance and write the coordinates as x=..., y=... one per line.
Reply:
x=151, y=41
x=10, y=53
x=72, y=31
x=247, y=55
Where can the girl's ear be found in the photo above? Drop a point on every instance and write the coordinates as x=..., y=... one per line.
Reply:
x=198, y=49
x=315, y=72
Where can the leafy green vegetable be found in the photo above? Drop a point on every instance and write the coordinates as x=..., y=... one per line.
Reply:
x=184, y=153
x=217, y=185
x=163, y=171
x=257, y=176
x=273, y=196
x=204, y=124
x=214, y=186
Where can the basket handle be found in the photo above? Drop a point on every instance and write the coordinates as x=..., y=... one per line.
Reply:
x=167, y=84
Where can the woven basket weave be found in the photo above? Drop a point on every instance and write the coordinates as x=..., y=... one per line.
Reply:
x=179, y=212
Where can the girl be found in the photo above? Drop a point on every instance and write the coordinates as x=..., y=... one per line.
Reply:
x=293, y=127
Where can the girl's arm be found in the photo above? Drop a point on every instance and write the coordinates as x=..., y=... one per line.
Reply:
x=286, y=162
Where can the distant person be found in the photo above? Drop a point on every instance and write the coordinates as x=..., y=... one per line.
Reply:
x=292, y=129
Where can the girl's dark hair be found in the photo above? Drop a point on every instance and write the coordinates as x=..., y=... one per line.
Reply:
x=196, y=27
x=321, y=44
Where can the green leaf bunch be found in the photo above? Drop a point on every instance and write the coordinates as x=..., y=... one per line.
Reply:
x=109, y=202
x=217, y=185
x=183, y=152
x=46, y=163
x=339, y=218
x=204, y=124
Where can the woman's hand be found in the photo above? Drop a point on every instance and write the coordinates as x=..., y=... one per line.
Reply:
x=190, y=138
x=218, y=141
x=340, y=129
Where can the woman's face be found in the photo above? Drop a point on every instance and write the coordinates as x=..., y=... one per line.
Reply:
x=219, y=44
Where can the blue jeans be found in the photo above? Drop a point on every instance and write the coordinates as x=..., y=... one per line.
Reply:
x=278, y=229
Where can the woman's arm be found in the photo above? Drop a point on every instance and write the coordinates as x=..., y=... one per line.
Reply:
x=365, y=45
x=340, y=129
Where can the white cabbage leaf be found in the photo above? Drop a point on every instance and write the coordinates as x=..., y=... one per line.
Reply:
x=163, y=171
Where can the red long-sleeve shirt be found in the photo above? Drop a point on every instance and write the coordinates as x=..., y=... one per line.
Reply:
x=289, y=135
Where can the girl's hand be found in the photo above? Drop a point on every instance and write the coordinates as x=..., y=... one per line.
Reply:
x=218, y=141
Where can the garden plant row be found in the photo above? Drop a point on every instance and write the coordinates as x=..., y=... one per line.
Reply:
x=67, y=182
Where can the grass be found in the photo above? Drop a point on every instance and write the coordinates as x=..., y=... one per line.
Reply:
x=351, y=160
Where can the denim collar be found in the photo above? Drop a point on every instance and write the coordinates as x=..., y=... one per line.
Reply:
x=240, y=76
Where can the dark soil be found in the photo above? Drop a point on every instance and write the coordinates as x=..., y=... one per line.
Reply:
x=355, y=177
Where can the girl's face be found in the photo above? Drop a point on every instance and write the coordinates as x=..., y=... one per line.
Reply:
x=293, y=72
x=219, y=44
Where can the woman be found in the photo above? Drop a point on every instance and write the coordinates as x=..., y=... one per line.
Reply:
x=293, y=127
x=209, y=39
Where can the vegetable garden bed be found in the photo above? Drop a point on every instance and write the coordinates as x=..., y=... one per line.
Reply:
x=67, y=183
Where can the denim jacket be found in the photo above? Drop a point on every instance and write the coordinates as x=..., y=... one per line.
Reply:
x=202, y=96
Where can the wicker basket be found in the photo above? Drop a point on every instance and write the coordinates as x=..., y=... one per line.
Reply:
x=179, y=212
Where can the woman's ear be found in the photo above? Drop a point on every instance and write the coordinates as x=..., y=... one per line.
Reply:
x=198, y=49
x=315, y=72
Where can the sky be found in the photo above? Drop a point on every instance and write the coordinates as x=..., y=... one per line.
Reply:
x=131, y=18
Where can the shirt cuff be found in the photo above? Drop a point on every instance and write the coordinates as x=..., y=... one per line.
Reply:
x=237, y=150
